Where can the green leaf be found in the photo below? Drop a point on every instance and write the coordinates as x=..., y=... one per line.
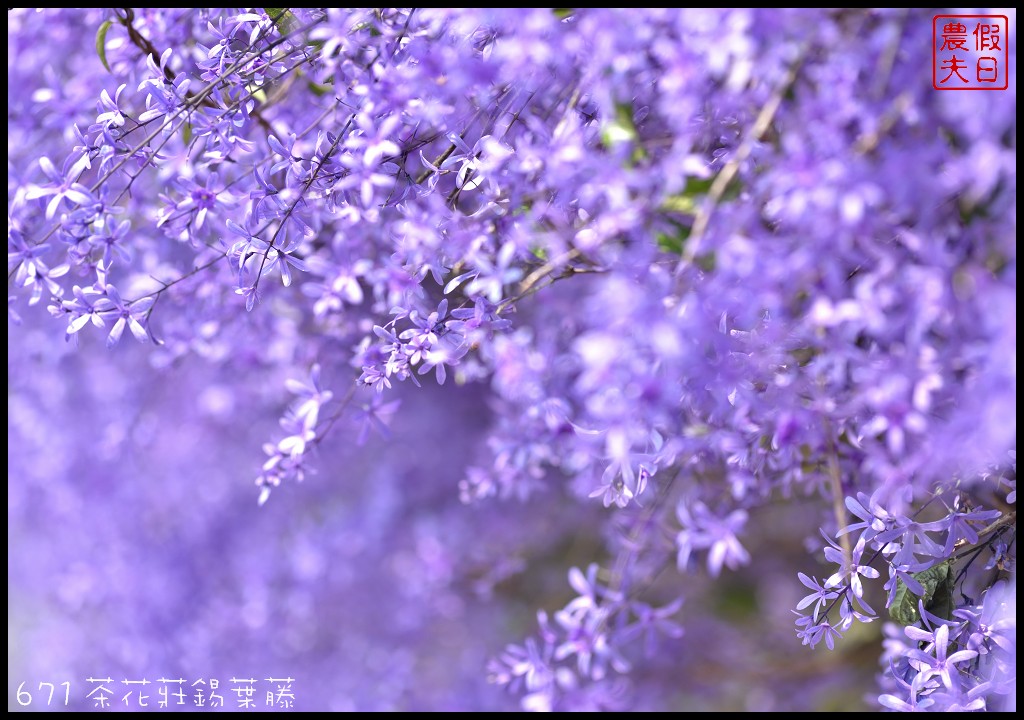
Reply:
x=937, y=582
x=562, y=13
x=318, y=89
x=284, y=19
x=698, y=186
x=673, y=242
x=706, y=262
x=680, y=203
x=674, y=239
x=942, y=603
x=186, y=133
x=101, y=43
x=685, y=202
x=621, y=128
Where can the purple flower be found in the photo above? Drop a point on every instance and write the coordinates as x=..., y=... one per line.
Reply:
x=651, y=622
x=312, y=396
x=819, y=597
x=199, y=201
x=768, y=278
x=850, y=569
x=124, y=314
x=112, y=117
x=912, y=702
x=29, y=268
x=702, y=530
x=63, y=185
x=437, y=357
x=874, y=518
x=591, y=593
x=302, y=431
x=586, y=638
x=491, y=276
x=84, y=309
x=959, y=528
x=375, y=377
x=260, y=256
x=163, y=98
x=250, y=293
x=991, y=626
x=811, y=632
x=266, y=200
x=936, y=663
x=112, y=240
x=375, y=414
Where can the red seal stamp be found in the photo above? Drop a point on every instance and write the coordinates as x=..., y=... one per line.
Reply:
x=970, y=52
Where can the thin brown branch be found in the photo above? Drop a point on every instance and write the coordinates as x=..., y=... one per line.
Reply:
x=728, y=173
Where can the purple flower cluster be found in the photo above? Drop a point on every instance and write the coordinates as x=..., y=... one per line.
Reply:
x=690, y=264
x=924, y=579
